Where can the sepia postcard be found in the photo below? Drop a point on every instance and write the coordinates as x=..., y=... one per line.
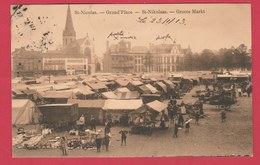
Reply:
x=131, y=80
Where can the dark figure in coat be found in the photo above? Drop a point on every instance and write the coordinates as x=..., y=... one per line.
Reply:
x=176, y=129
x=93, y=124
x=223, y=116
x=106, y=142
x=197, y=117
x=123, y=133
x=98, y=142
x=180, y=120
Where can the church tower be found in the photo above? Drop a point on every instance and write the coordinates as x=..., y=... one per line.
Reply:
x=69, y=34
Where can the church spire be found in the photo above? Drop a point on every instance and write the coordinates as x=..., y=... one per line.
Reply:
x=69, y=33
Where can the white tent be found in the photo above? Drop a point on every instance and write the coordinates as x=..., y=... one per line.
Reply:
x=22, y=111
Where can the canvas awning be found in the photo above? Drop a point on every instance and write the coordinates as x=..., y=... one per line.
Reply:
x=109, y=95
x=157, y=106
x=122, y=83
x=97, y=85
x=162, y=85
x=122, y=90
x=169, y=83
x=88, y=103
x=151, y=88
x=58, y=94
x=124, y=105
x=136, y=83
x=148, y=88
x=128, y=95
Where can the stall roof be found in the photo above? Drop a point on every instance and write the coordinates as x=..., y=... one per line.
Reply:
x=102, y=79
x=123, y=104
x=136, y=83
x=109, y=95
x=169, y=83
x=153, y=79
x=97, y=85
x=60, y=87
x=88, y=103
x=58, y=94
x=122, y=90
x=128, y=95
x=163, y=86
x=122, y=83
x=151, y=88
x=145, y=89
x=157, y=106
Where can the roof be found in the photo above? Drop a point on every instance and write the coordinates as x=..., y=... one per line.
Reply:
x=81, y=90
x=60, y=87
x=169, y=83
x=22, y=52
x=128, y=95
x=102, y=79
x=157, y=106
x=151, y=88
x=121, y=82
x=62, y=55
x=122, y=90
x=144, y=89
x=58, y=94
x=97, y=85
x=136, y=83
x=88, y=103
x=162, y=85
x=109, y=95
x=123, y=104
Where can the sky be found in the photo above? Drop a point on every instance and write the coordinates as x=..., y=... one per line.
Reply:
x=218, y=26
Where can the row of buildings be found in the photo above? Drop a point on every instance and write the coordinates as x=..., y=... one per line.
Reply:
x=163, y=58
x=77, y=56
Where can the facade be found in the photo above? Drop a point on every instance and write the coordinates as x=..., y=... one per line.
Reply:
x=35, y=63
x=69, y=64
x=26, y=63
x=118, y=58
x=161, y=58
